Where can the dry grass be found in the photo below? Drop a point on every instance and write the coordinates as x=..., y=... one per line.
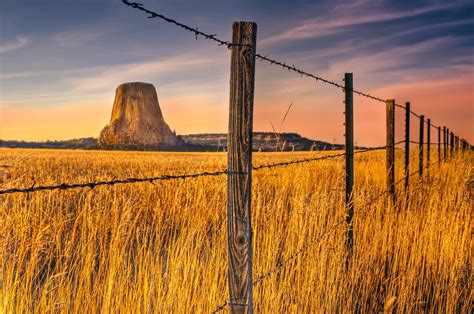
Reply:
x=162, y=248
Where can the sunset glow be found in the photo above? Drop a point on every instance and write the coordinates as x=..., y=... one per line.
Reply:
x=59, y=74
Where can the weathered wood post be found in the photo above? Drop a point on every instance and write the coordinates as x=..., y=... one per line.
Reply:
x=445, y=144
x=239, y=163
x=349, y=126
x=428, y=143
x=439, y=146
x=448, y=141
x=390, y=149
x=420, y=158
x=407, y=145
x=451, y=148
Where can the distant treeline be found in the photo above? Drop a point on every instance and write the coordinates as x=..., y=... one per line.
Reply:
x=262, y=141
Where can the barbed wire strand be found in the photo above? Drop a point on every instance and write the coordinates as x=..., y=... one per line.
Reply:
x=195, y=31
x=228, y=44
x=91, y=185
x=311, y=243
x=284, y=263
x=284, y=65
x=304, y=160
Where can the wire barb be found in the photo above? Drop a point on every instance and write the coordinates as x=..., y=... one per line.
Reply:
x=316, y=158
x=228, y=44
x=195, y=30
x=91, y=185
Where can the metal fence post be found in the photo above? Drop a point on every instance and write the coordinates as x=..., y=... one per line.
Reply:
x=349, y=126
x=239, y=158
x=407, y=145
x=390, y=115
x=428, y=142
x=420, y=158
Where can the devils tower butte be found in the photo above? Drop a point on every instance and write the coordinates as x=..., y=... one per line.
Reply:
x=137, y=120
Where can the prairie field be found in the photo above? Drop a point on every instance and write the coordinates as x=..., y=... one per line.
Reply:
x=162, y=247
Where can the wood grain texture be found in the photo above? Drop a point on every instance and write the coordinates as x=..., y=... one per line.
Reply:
x=390, y=115
x=349, y=133
x=242, y=81
x=421, y=146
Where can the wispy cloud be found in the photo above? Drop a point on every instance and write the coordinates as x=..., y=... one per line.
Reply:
x=105, y=77
x=20, y=42
x=74, y=39
x=361, y=13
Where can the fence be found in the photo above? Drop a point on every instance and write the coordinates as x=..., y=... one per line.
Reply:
x=240, y=166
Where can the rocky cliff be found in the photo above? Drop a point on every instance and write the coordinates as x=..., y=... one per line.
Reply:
x=137, y=120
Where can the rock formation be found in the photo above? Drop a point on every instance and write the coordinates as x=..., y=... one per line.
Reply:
x=137, y=121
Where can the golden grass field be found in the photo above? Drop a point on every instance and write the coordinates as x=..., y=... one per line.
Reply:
x=162, y=248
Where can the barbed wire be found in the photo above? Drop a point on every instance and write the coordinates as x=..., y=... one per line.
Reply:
x=282, y=264
x=91, y=185
x=415, y=114
x=284, y=65
x=228, y=44
x=435, y=126
x=310, y=244
x=316, y=158
x=195, y=31
x=293, y=68
x=301, y=250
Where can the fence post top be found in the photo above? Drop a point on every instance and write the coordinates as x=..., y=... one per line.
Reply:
x=247, y=23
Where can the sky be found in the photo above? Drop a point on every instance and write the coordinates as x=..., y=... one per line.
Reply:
x=61, y=61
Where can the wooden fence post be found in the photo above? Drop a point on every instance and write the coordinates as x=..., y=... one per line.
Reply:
x=448, y=141
x=439, y=145
x=239, y=164
x=428, y=142
x=390, y=115
x=451, y=148
x=407, y=145
x=349, y=125
x=445, y=143
x=420, y=158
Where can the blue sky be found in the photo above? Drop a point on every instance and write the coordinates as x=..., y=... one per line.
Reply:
x=60, y=62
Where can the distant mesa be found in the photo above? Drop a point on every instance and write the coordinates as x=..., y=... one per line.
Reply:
x=137, y=120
